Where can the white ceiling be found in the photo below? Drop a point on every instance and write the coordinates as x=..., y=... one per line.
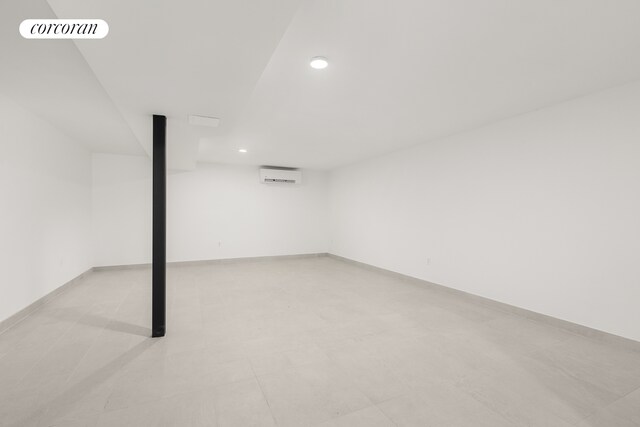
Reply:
x=181, y=57
x=400, y=72
x=52, y=79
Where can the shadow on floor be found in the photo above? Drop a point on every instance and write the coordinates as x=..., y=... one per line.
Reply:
x=87, y=385
x=100, y=322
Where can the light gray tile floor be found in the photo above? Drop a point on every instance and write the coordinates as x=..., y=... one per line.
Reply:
x=302, y=342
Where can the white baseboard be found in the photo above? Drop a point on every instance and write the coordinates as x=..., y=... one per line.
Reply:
x=211, y=261
x=574, y=328
x=34, y=306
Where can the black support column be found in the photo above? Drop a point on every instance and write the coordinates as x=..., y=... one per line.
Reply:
x=159, y=297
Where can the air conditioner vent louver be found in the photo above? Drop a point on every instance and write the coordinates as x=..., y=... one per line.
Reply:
x=280, y=176
x=288, y=181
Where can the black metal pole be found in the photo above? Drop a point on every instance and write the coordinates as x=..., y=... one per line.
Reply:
x=158, y=327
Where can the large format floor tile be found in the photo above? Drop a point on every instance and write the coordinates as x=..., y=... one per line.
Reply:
x=301, y=342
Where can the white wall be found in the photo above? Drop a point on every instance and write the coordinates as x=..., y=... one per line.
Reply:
x=223, y=211
x=45, y=208
x=541, y=211
x=121, y=201
x=214, y=212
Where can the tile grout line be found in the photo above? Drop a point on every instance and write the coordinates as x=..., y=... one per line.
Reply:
x=384, y=413
x=608, y=405
x=41, y=302
x=49, y=349
x=94, y=341
x=46, y=352
x=102, y=330
x=580, y=330
x=123, y=301
x=263, y=394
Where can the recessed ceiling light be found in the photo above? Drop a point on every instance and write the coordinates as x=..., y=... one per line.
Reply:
x=242, y=150
x=319, y=62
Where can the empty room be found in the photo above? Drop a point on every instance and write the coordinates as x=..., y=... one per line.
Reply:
x=332, y=213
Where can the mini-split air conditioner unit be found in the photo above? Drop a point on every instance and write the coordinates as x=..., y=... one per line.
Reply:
x=274, y=175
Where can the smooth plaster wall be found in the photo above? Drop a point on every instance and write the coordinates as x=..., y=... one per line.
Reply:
x=213, y=212
x=541, y=211
x=45, y=208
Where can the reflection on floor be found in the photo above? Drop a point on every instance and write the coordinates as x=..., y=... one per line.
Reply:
x=301, y=342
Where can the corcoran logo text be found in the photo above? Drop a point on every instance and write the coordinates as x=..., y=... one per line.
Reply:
x=64, y=28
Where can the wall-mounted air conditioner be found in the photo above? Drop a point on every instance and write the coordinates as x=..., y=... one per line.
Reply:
x=273, y=175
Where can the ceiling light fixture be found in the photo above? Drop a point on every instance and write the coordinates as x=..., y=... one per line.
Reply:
x=242, y=150
x=319, y=62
